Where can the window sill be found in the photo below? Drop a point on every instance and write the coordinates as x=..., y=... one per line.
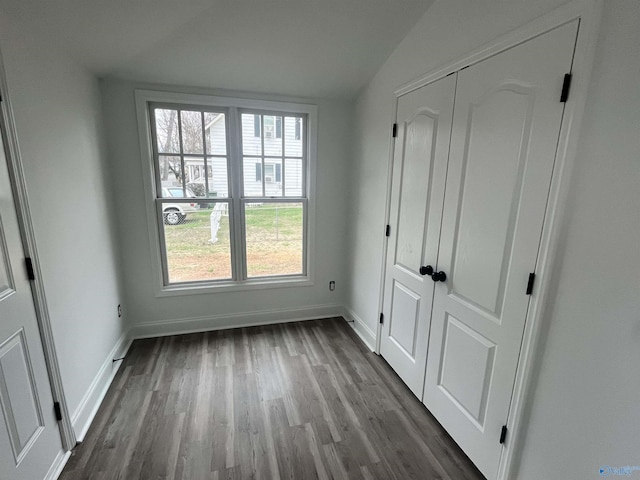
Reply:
x=232, y=286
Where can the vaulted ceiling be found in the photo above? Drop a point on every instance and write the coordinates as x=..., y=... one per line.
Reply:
x=315, y=48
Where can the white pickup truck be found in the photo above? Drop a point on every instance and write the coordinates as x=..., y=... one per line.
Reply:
x=175, y=213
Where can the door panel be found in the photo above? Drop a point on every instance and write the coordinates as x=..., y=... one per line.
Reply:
x=6, y=282
x=465, y=368
x=414, y=197
x=494, y=140
x=419, y=170
x=29, y=435
x=505, y=130
x=18, y=394
x=405, y=309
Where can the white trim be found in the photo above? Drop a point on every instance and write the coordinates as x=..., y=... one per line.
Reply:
x=387, y=219
x=255, y=284
x=27, y=234
x=589, y=12
x=233, y=320
x=223, y=101
x=234, y=104
x=363, y=331
x=58, y=465
x=92, y=399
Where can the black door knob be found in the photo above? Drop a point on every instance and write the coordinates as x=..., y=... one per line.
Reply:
x=439, y=276
x=428, y=270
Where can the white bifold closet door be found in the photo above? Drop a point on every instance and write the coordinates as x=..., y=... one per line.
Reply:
x=506, y=125
x=419, y=170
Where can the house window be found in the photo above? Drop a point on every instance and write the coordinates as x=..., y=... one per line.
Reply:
x=272, y=172
x=272, y=127
x=231, y=208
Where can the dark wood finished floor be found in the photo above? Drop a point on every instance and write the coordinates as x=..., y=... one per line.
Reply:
x=300, y=401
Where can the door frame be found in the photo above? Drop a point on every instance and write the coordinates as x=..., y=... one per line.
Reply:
x=589, y=12
x=27, y=235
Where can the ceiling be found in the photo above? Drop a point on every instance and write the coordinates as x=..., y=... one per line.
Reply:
x=314, y=48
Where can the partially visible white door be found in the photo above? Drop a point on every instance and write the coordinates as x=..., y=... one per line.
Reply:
x=506, y=126
x=419, y=171
x=29, y=435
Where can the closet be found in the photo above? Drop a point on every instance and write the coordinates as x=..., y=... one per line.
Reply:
x=472, y=164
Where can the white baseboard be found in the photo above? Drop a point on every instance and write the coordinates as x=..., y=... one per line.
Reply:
x=235, y=320
x=364, y=332
x=86, y=411
x=58, y=464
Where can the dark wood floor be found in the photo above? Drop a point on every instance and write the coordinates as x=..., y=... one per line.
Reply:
x=300, y=401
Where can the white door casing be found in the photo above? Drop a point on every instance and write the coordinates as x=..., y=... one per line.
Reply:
x=29, y=436
x=505, y=132
x=420, y=163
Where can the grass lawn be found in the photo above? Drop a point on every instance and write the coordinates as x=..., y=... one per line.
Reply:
x=274, y=244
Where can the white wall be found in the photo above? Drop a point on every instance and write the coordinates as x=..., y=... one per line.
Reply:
x=585, y=409
x=57, y=114
x=202, y=311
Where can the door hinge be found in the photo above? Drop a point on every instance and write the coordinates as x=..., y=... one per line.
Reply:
x=566, y=86
x=58, y=410
x=394, y=130
x=381, y=318
x=532, y=280
x=387, y=231
x=30, y=272
x=503, y=434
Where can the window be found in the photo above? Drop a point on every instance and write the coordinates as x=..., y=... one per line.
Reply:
x=272, y=127
x=232, y=208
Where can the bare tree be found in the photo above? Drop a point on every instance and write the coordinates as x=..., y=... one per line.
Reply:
x=185, y=130
x=169, y=138
x=168, y=141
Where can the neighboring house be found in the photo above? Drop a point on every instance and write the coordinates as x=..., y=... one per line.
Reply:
x=279, y=165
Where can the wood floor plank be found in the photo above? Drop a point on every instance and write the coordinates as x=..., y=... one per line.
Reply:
x=334, y=464
x=318, y=459
x=301, y=400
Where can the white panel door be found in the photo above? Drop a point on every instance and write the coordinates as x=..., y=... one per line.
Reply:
x=505, y=131
x=419, y=170
x=29, y=435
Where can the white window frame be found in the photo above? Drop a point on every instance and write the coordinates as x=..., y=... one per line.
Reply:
x=233, y=107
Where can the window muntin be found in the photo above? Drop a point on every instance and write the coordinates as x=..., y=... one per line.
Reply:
x=197, y=141
x=253, y=239
x=281, y=159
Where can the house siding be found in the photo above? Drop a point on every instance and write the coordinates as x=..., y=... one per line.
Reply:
x=291, y=171
x=276, y=169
